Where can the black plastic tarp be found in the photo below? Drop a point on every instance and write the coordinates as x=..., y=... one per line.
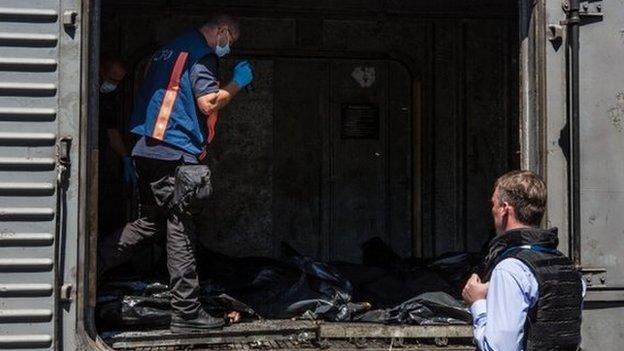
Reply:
x=385, y=289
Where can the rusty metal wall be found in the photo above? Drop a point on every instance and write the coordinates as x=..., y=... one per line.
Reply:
x=275, y=149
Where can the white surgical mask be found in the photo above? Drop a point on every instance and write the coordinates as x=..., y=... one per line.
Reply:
x=107, y=87
x=222, y=50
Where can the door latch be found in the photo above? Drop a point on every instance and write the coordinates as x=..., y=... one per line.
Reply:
x=555, y=32
x=69, y=19
x=63, y=158
x=66, y=293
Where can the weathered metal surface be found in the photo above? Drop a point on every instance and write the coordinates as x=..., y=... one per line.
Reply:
x=25, y=289
x=258, y=331
x=33, y=92
x=329, y=8
x=26, y=341
x=369, y=330
x=301, y=182
x=601, y=295
x=602, y=326
x=401, y=234
x=601, y=142
x=291, y=334
x=358, y=167
x=443, y=148
x=239, y=219
x=601, y=169
x=490, y=138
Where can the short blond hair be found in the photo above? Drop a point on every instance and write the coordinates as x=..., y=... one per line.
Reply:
x=526, y=192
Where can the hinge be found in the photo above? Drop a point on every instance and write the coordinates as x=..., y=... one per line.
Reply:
x=595, y=277
x=589, y=11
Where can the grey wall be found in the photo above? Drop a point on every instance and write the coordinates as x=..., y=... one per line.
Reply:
x=282, y=173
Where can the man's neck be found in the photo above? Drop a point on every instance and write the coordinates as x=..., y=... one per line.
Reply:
x=517, y=225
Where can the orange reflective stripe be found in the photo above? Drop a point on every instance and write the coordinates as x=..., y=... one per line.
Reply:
x=212, y=122
x=170, y=97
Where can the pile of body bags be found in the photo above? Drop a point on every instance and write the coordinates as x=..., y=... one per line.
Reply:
x=383, y=289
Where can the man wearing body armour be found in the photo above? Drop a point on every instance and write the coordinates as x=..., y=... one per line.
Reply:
x=174, y=118
x=530, y=295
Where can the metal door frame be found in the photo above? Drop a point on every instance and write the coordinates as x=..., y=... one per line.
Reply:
x=86, y=333
x=532, y=117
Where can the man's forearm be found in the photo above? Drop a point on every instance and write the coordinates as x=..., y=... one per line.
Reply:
x=226, y=94
x=213, y=102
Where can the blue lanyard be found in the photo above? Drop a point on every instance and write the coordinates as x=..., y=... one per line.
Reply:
x=536, y=248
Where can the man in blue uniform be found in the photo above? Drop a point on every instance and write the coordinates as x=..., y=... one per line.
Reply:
x=531, y=294
x=174, y=117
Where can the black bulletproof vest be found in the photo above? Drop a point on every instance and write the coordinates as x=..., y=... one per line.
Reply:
x=554, y=323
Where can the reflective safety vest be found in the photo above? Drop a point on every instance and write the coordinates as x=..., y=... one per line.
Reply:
x=165, y=107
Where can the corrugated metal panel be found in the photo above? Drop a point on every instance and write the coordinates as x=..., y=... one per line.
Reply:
x=29, y=83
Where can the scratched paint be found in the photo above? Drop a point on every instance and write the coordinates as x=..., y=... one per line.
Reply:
x=616, y=113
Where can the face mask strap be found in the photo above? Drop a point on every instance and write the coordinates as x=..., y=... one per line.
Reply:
x=227, y=38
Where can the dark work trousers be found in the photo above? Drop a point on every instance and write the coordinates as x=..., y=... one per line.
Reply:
x=156, y=222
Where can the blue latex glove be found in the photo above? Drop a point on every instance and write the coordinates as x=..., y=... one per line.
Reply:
x=129, y=175
x=243, y=74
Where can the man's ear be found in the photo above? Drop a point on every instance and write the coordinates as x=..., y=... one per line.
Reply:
x=506, y=207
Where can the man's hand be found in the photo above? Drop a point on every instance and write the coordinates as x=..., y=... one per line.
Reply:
x=475, y=290
x=243, y=74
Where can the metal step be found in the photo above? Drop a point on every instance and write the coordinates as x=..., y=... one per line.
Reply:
x=269, y=334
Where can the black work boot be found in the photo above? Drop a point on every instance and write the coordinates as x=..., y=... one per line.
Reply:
x=202, y=321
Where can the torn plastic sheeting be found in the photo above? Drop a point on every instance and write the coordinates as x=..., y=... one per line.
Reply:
x=151, y=311
x=283, y=290
x=279, y=288
x=435, y=308
x=140, y=310
x=456, y=268
x=300, y=287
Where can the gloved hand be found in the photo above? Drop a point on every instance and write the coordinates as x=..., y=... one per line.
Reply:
x=243, y=74
x=129, y=175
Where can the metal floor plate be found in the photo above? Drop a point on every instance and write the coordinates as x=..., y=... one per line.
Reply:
x=301, y=335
